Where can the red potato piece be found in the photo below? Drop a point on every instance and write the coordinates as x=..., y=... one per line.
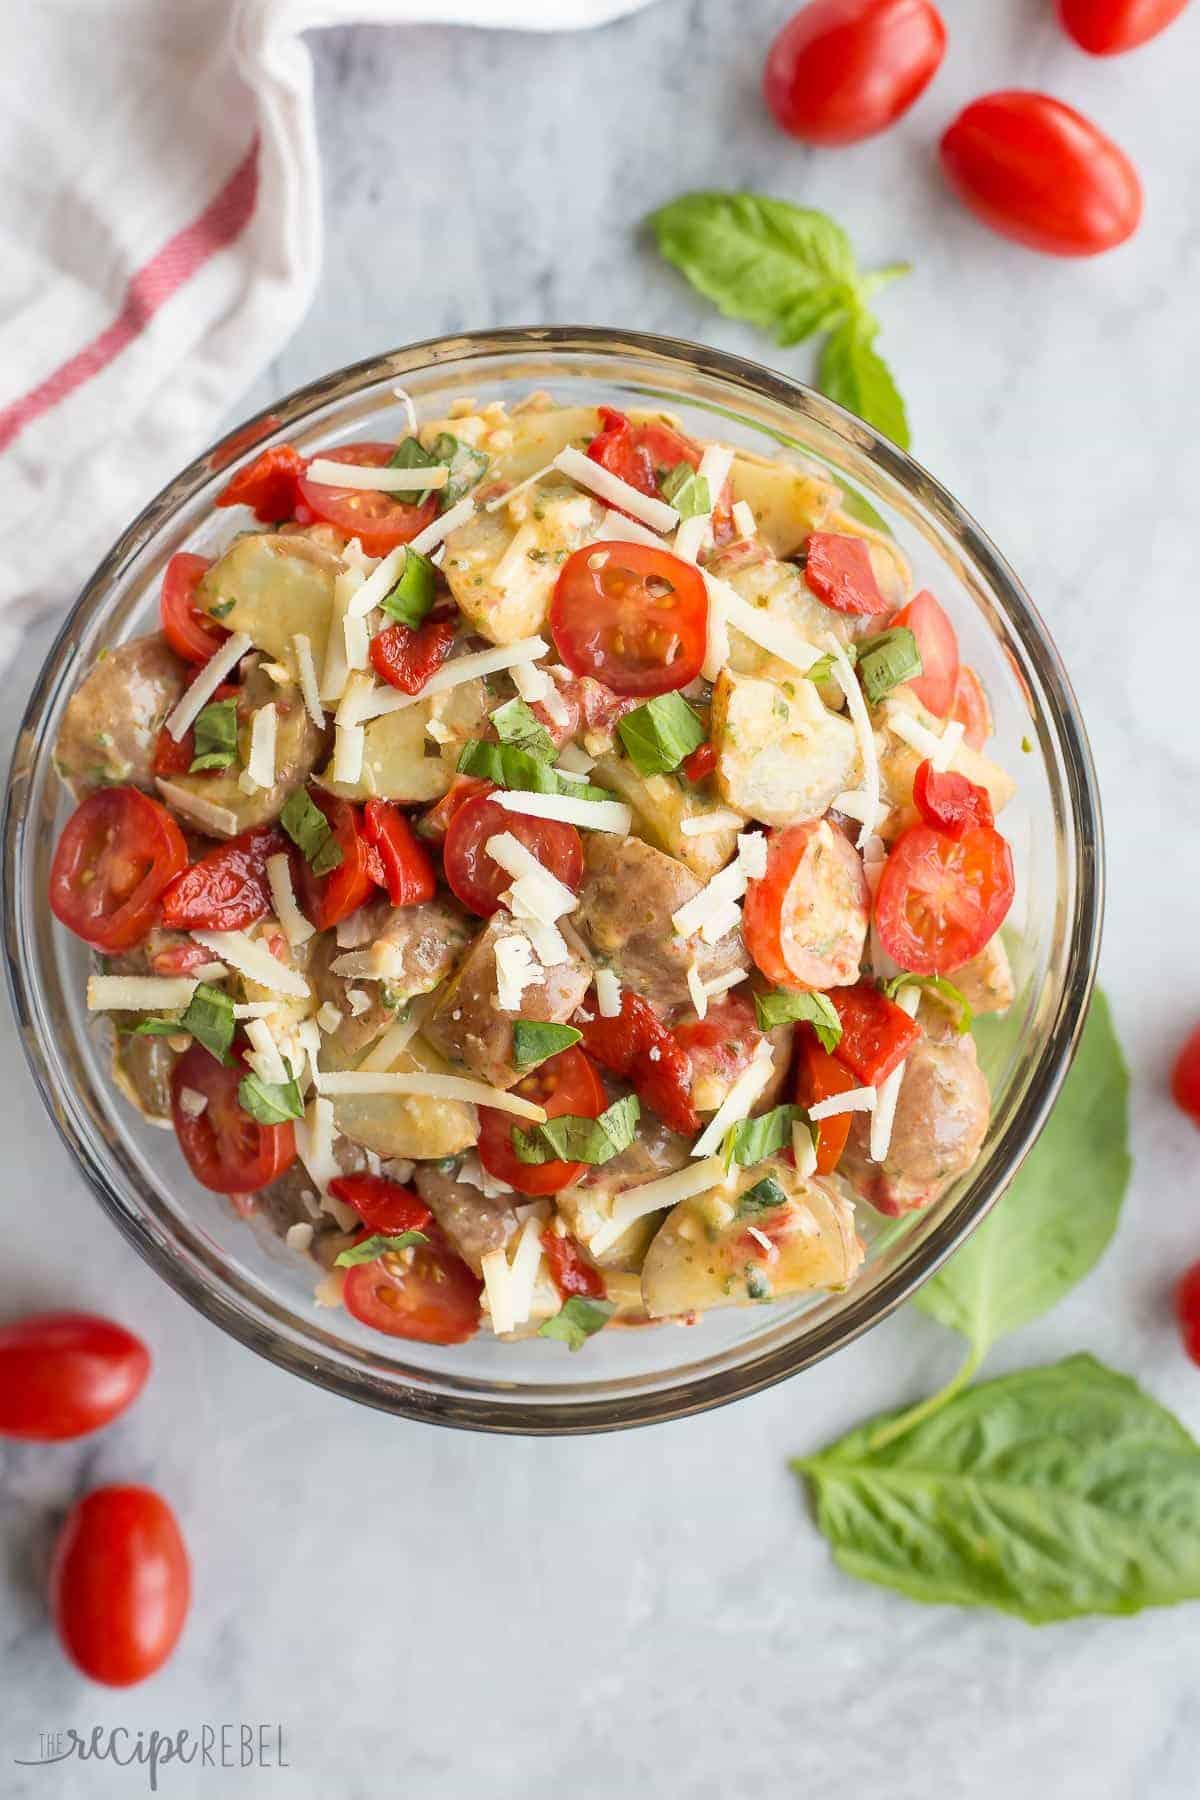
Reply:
x=941, y=1120
x=110, y=728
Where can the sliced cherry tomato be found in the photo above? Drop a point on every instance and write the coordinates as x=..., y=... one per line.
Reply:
x=570, y=1269
x=1185, y=1078
x=721, y=1045
x=841, y=70
x=227, y=1151
x=838, y=570
x=407, y=658
x=436, y=822
x=637, y=1046
x=191, y=633
x=949, y=802
x=1187, y=1310
x=227, y=890
x=408, y=870
x=819, y=1076
x=971, y=708
x=118, y=851
x=643, y=455
x=633, y=616
x=940, y=899
x=701, y=763
x=379, y=521
x=1038, y=171
x=426, y=1293
x=877, y=1034
x=1109, y=27
x=566, y=1083
x=66, y=1373
x=805, y=920
x=120, y=1584
x=326, y=900
x=936, y=685
x=478, y=881
x=382, y=1205
x=269, y=486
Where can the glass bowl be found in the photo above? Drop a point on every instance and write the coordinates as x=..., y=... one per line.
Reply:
x=260, y=1292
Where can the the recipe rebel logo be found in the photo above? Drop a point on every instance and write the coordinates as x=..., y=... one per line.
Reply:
x=229, y=1746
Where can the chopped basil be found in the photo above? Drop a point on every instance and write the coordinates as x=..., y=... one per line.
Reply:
x=764, y=1196
x=412, y=596
x=410, y=453
x=570, y=1138
x=216, y=736
x=887, y=659
x=208, y=1018
x=581, y=1317
x=686, y=491
x=951, y=997
x=270, y=1102
x=534, y=1041
x=518, y=725
x=308, y=829
x=822, y=669
x=755, y=1139
x=467, y=468
x=509, y=767
x=658, y=735
x=783, y=1008
x=757, y=1285
x=221, y=609
x=377, y=1246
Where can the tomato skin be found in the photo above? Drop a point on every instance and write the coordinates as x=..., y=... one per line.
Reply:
x=637, y=621
x=189, y=631
x=937, y=641
x=227, y=889
x=940, y=900
x=431, y=1299
x=269, y=486
x=701, y=763
x=948, y=802
x=227, y=1151
x=65, y=1374
x=566, y=1083
x=326, y=900
x=877, y=1034
x=1187, y=1310
x=637, y=1046
x=382, y=1205
x=819, y=1076
x=838, y=571
x=1039, y=172
x=118, y=851
x=841, y=70
x=971, y=708
x=478, y=881
x=379, y=521
x=436, y=822
x=570, y=1270
x=1185, y=1078
x=120, y=1584
x=408, y=871
x=1110, y=27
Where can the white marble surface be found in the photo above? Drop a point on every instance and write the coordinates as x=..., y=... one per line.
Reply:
x=436, y=1614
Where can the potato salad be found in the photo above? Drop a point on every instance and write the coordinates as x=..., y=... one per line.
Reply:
x=545, y=870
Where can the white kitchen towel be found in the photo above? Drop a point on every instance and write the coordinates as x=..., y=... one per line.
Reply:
x=160, y=237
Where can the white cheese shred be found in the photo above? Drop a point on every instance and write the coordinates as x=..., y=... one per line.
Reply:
x=497, y=1283
x=588, y=474
x=859, y=1099
x=310, y=687
x=884, y=1116
x=591, y=815
x=192, y=703
x=296, y=928
x=433, y=1087
x=254, y=959
x=449, y=521
x=737, y=1103
x=608, y=994
x=329, y=473
x=138, y=993
x=860, y=718
x=264, y=733
x=462, y=668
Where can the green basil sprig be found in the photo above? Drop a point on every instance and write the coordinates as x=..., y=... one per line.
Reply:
x=659, y=735
x=208, y=1017
x=782, y=1007
x=534, y=1041
x=270, y=1102
x=376, y=1246
x=580, y=1318
x=309, y=830
x=509, y=767
x=572, y=1138
x=517, y=724
x=887, y=659
x=411, y=597
x=216, y=736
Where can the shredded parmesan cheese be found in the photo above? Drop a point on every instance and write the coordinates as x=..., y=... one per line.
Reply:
x=588, y=474
x=804, y=1150
x=138, y=993
x=450, y=520
x=392, y=1045
x=348, y=745
x=192, y=1102
x=591, y=815
x=737, y=1103
x=306, y=670
x=329, y=473
x=515, y=970
x=434, y=1087
x=698, y=991
x=713, y=900
x=859, y=1099
x=264, y=729
x=721, y=984
x=462, y=668
x=503, y=499
x=608, y=994
x=763, y=628
x=222, y=821
x=268, y=1060
x=192, y=703
x=615, y=528
x=314, y=1144
x=255, y=960
x=296, y=928
x=652, y=1196
x=860, y=718
x=497, y=1282
x=884, y=1116
x=705, y=824
x=743, y=518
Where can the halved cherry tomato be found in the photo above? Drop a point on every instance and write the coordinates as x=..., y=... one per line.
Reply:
x=66, y=1373
x=949, y=802
x=408, y=871
x=819, y=1076
x=838, y=570
x=227, y=889
x=877, y=1034
x=633, y=616
x=478, y=881
x=270, y=485
x=190, y=632
x=379, y=521
x=971, y=708
x=937, y=641
x=436, y=822
x=643, y=454
x=940, y=899
x=841, y=70
x=406, y=658
x=805, y=920
x=430, y=1297
x=120, y=1584
x=1038, y=171
x=118, y=851
x=701, y=763
x=721, y=1045
x=382, y=1205
x=566, y=1083
x=1109, y=27
x=326, y=900
x=637, y=1046
x=570, y=1269
x=227, y=1151
x=1185, y=1077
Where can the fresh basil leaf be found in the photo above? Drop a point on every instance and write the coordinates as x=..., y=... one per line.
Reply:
x=570, y=1138
x=410, y=453
x=781, y=1007
x=157, y=1028
x=534, y=1041
x=509, y=767
x=411, y=598
x=951, y=997
x=216, y=737
x=764, y=1196
x=687, y=491
x=853, y=373
x=221, y=609
x=208, y=1017
x=581, y=1317
x=518, y=725
x=887, y=659
x=467, y=468
x=659, y=735
x=1055, y=1221
x=1051, y=1493
x=270, y=1102
x=822, y=669
x=752, y=1140
x=309, y=830
x=379, y=1245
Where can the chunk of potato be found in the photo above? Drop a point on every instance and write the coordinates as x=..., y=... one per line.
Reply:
x=298, y=745
x=782, y=756
x=587, y=1206
x=660, y=805
x=399, y=761
x=787, y=502
x=778, y=588
x=898, y=761
x=408, y=1125
x=519, y=443
x=704, y=1254
x=279, y=584
x=502, y=572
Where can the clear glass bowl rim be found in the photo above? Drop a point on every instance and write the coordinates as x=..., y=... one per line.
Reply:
x=233, y=1307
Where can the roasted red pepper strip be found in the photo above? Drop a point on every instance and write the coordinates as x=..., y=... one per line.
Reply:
x=406, y=658
x=572, y=1272
x=227, y=889
x=819, y=1076
x=877, y=1034
x=948, y=802
x=701, y=763
x=638, y=1046
x=838, y=570
x=408, y=871
x=269, y=485
x=383, y=1206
